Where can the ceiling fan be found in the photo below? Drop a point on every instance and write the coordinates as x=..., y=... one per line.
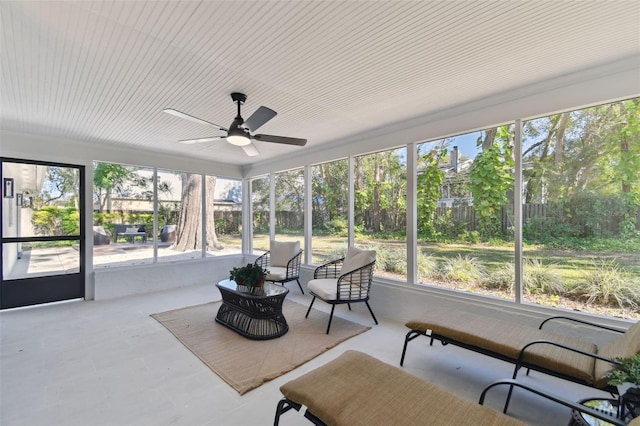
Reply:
x=239, y=132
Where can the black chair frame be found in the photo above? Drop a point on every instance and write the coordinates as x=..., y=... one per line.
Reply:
x=519, y=361
x=345, y=292
x=293, y=268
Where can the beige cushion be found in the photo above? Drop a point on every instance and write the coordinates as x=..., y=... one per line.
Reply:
x=356, y=389
x=276, y=273
x=325, y=288
x=282, y=252
x=356, y=259
x=508, y=337
x=624, y=346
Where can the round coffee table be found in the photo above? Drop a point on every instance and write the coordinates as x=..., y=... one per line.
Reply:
x=607, y=406
x=255, y=313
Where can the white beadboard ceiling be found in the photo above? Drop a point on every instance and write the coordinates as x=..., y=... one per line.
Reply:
x=102, y=71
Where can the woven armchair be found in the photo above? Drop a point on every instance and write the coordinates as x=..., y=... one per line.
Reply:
x=285, y=265
x=333, y=285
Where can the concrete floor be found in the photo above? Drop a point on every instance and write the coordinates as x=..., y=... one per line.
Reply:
x=109, y=363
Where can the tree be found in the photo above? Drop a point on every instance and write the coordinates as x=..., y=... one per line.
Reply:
x=430, y=180
x=491, y=177
x=189, y=235
x=107, y=179
x=62, y=185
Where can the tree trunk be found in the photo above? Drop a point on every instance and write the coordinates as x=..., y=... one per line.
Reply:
x=376, y=208
x=189, y=230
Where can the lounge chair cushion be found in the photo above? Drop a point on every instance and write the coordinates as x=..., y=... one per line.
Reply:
x=507, y=338
x=624, y=346
x=324, y=288
x=282, y=252
x=356, y=258
x=276, y=273
x=357, y=389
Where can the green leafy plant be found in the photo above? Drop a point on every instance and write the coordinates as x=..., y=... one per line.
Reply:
x=466, y=269
x=250, y=275
x=627, y=371
x=608, y=283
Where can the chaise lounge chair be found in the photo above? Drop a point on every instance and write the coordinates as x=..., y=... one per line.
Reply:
x=559, y=355
x=357, y=389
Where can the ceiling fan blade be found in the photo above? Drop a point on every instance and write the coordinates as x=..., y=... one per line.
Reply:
x=200, y=140
x=258, y=118
x=280, y=139
x=186, y=116
x=250, y=150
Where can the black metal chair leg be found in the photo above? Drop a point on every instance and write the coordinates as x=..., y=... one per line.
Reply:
x=309, y=310
x=374, y=317
x=349, y=305
x=412, y=334
x=330, y=318
x=299, y=285
x=506, y=403
x=284, y=405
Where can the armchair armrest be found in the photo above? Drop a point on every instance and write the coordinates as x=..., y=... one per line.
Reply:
x=293, y=265
x=567, y=403
x=592, y=324
x=263, y=260
x=329, y=269
x=355, y=284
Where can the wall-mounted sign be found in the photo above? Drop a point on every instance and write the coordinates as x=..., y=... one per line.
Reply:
x=8, y=187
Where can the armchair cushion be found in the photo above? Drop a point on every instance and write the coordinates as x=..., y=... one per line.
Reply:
x=356, y=259
x=276, y=273
x=325, y=288
x=283, y=252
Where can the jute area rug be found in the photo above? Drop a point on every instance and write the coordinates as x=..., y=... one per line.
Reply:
x=245, y=364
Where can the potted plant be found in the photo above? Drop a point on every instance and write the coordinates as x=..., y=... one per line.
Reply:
x=251, y=275
x=626, y=374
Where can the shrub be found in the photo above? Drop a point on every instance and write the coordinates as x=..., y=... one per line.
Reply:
x=502, y=278
x=465, y=269
x=427, y=266
x=391, y=259
x=609, y=284
x=538, y=278
x=337, y=227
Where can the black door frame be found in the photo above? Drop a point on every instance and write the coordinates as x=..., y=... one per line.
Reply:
x=51, y=288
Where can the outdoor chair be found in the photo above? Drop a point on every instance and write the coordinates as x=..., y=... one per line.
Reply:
x=345, y=280
x=554, y=353
x=282, y=262
x=357, y=389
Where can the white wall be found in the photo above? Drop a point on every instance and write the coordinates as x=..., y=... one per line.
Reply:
x=125, y=281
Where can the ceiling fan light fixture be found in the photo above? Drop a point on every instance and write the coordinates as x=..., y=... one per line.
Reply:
x=237, y=136
x=238, y=140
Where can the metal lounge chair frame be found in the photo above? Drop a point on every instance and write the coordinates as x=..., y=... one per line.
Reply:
x=520, y=360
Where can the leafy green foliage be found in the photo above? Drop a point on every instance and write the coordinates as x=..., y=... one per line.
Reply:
x=248, y=275
x=52, y=220
x=391, y=259
x=491, y=176
x=427, y=266
x=537, y=277
x=466, y=269
x=608, y=283
x=429, y=181
x=627, y=371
